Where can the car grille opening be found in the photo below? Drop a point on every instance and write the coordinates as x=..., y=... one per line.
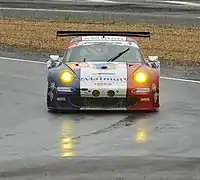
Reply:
x=102, y=102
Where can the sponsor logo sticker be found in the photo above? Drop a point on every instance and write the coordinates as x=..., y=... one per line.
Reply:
x=105, y=74
x=61, y=99
x=103, y=84
x=140, y=90
x=108, y=65
x=145, y=99
x=113, y=79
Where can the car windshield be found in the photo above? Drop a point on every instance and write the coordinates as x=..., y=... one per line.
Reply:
x=103, y=52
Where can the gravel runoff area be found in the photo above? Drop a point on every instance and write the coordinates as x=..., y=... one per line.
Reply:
x=172, y=43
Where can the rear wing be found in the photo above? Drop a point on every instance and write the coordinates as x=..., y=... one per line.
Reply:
x=103, y=33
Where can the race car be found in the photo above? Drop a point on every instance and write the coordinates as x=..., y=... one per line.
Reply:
x=103, y=71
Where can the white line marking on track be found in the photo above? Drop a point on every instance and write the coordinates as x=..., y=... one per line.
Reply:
x=39, y=62
x=104, y=1
x=183, y=3
x=22, y=60
x=182, y=80
x=42, y=10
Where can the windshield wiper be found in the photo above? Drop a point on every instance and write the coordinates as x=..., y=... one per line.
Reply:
x=118, y=55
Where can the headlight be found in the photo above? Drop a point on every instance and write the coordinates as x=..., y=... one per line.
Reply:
x=66, y=76
x=140, y=77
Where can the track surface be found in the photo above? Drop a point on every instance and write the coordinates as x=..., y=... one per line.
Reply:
x=156, y=145
x=32, y=137
x=157, y=11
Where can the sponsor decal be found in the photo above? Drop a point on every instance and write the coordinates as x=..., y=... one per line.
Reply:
x=99, y=74
x=140, y=90
x=61, y=99
x=103, y=84
x=88, y=43
x=108, y=65
x=145, y=99
x=105, y=42
x=95, y=78
x=104, y=38
x=121, y=65
x=114, y=79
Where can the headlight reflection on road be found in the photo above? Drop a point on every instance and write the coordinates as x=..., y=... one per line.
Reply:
x=141, y=135
x=66, y=142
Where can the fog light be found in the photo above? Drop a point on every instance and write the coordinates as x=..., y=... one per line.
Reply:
x=110, y=93
x=95, y=93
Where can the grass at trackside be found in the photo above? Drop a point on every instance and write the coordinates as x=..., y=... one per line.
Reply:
x=169, y=42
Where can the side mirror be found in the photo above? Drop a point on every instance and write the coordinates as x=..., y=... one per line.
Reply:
x=53, y=61
x=54, y=57
x=154, y=62
x=153, y=58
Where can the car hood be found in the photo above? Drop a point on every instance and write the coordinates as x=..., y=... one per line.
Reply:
x=104, y=72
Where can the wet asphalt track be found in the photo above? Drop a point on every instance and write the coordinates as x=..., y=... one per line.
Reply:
x=32, y=137
x=35, y=144
x=154, y=11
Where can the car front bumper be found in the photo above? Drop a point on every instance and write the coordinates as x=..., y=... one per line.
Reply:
x=75, y=102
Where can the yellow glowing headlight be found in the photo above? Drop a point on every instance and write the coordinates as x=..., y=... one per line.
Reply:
x=66, y=76
x=141, y=77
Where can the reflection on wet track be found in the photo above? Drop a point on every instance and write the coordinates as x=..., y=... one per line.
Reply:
x=66, y=142
x=141, y=135
x=27, y=130
x=69, y=144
